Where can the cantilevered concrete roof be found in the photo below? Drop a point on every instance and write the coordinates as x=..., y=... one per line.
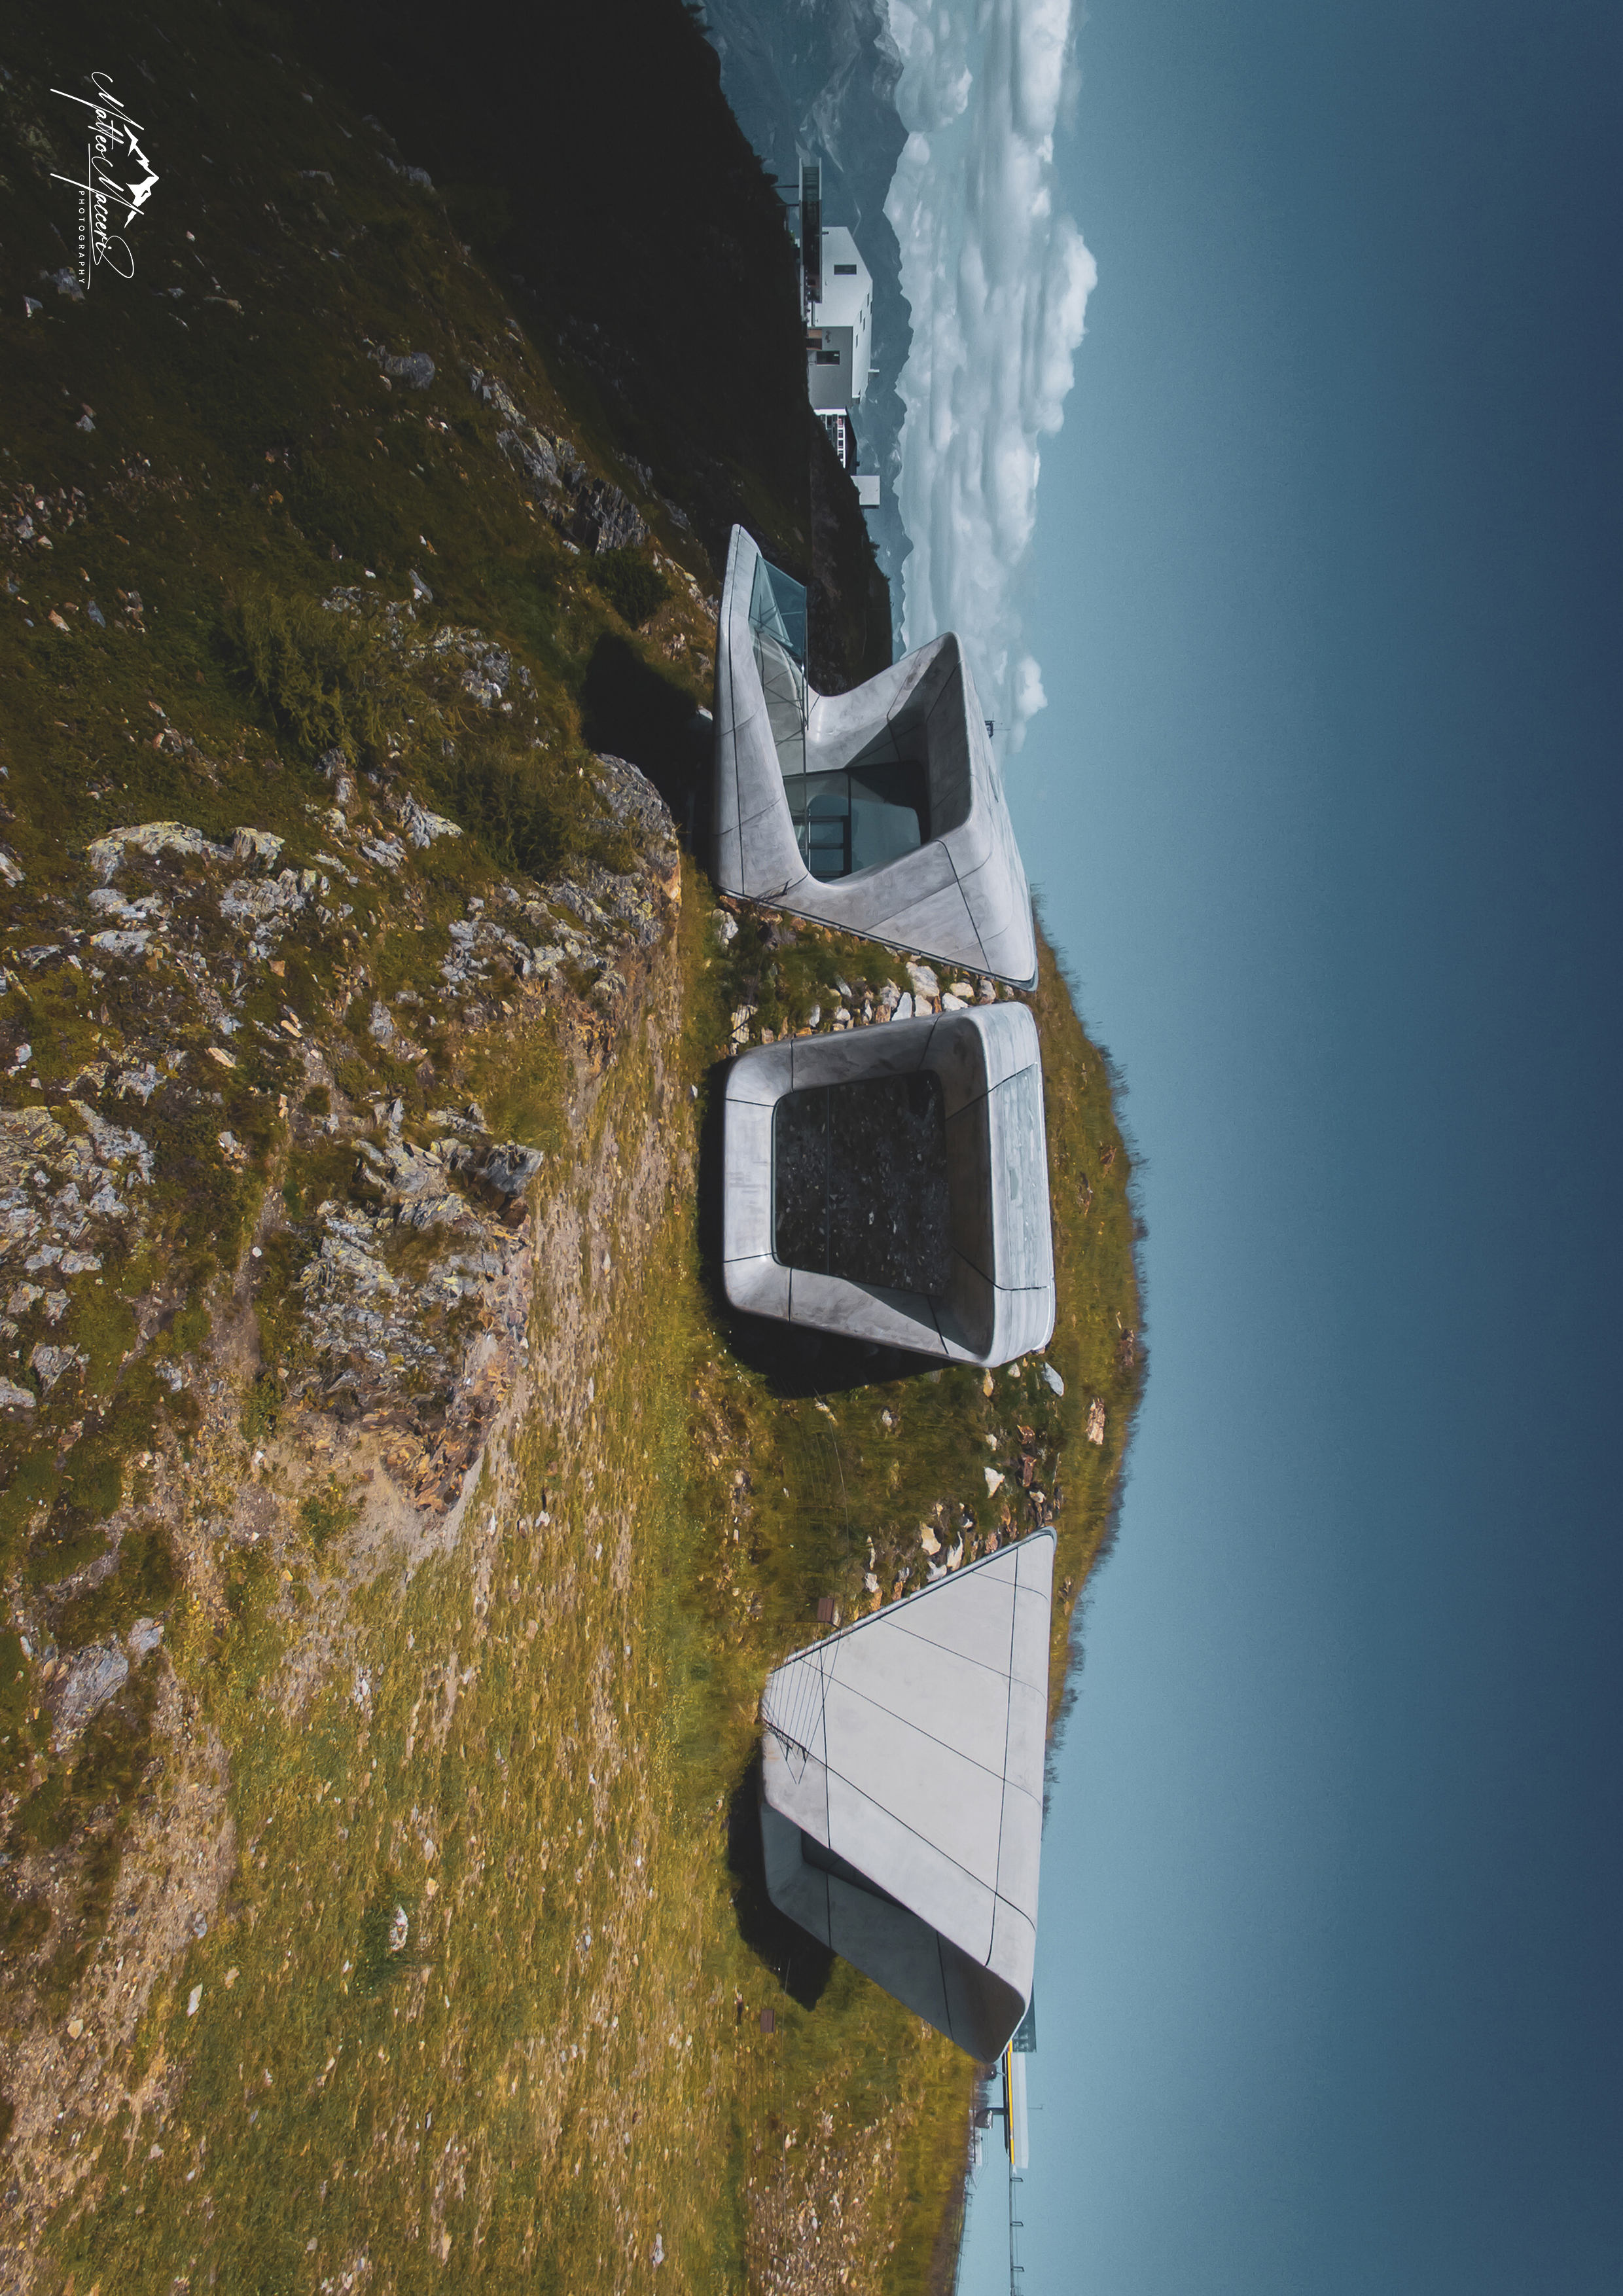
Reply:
x=902, y=1777
x=959, y=893
x=997, y=1299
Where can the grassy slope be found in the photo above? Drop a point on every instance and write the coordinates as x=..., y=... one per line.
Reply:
x=541, y=1765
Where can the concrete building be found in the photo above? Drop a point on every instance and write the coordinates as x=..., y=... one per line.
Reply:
x=839, y=322
x=880, y=811
x=902, y=1785
x=891, y=1184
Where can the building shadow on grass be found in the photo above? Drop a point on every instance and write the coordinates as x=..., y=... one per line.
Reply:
x=627, y=710
x=801, y=1965
x=793, y=1361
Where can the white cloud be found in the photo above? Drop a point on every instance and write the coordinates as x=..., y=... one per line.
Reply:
x=998, y=280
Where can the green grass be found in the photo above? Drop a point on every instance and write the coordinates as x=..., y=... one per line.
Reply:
x=546, y=1716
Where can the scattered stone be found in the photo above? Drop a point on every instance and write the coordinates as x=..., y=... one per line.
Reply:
x=51, y=1363
x=93, y=1676
x=510, y=1169
x=15, y=1399
x=421, y=826
x=415, y=369
x=928, y=1540
x=256, y=845
x=923, y=979
x=144, y=1638
x=195, y=2000
x=902, y=1009
x=400, y=1930
x=1053, y=1379
x=1095, y=1420
x=994, y=1480
x=951, y=1004
x=107, y=855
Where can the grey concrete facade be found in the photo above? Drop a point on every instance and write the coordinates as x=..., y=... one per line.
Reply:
x=999, y=1299
x=902, y=1792
x=959, y=894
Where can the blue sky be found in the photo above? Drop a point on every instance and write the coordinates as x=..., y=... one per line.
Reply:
x=1324, y=810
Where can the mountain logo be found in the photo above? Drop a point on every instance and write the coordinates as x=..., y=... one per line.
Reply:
x=118, y=181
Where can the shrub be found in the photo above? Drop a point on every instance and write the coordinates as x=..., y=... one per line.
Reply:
x=530, y=808
x=635, y=589
x=318, y=673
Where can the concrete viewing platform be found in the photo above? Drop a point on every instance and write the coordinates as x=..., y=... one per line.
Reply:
x=891, y=1184
x=902, y=1792
x=879, y=812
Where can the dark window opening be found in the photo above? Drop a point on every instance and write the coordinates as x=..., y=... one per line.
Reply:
x=845, y=271
x=859, y=1186
x=828, y=359
x=860, y=819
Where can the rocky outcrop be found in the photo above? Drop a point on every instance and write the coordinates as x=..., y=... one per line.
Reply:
x=592, y=512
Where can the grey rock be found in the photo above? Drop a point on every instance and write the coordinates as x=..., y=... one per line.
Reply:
x=1053, y=1379
x=14, y=1399
x=510, y=1169
x=144, y=1638
x=106, y=854
x=93, y=1676
x=415, y=369
x=599, y=517
x=256, y=845
x=421, y=826
x=534, y=454
x=51, y=1363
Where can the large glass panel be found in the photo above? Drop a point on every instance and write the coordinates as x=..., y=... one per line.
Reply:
x=777, y=617
x=850, y=821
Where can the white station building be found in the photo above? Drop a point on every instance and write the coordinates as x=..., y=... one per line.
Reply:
x=840, y=326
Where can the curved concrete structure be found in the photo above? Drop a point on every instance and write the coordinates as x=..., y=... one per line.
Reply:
x=988, y=1291
x=879, y=812
x=902, y=1785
